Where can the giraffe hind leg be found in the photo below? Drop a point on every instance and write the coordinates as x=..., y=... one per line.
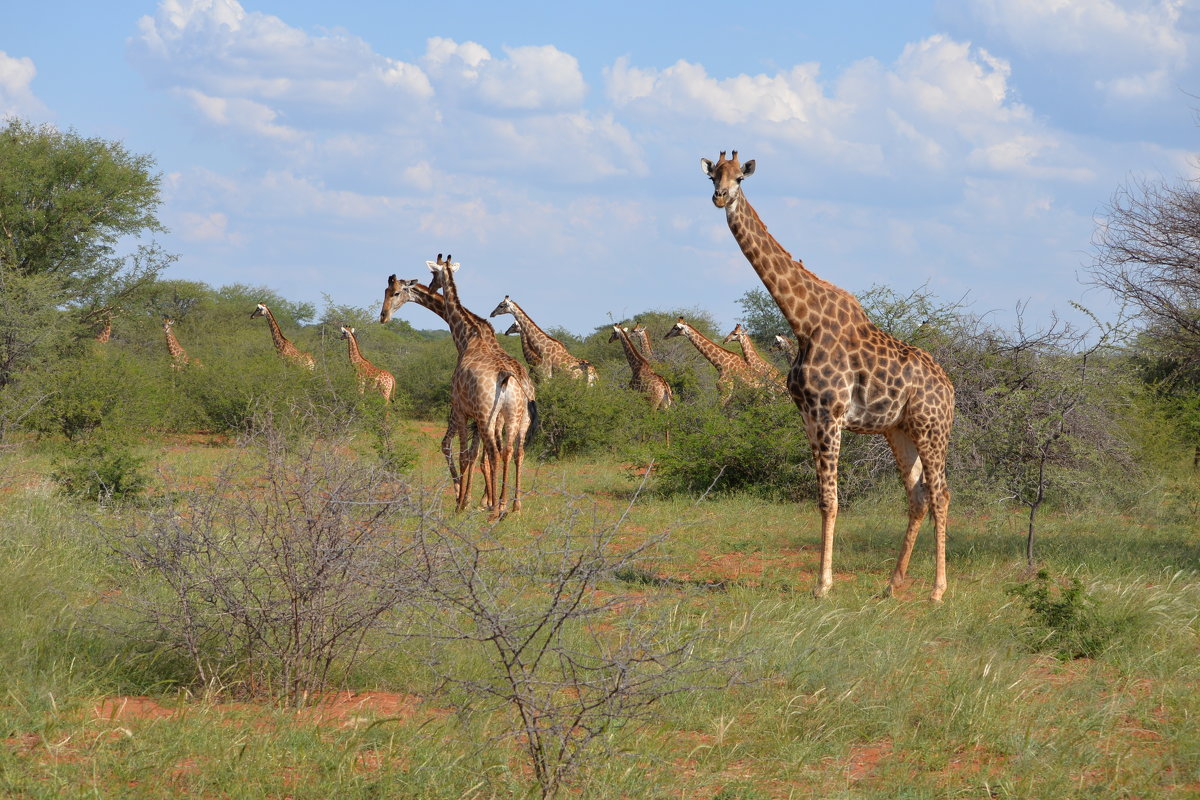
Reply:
x=909, y=462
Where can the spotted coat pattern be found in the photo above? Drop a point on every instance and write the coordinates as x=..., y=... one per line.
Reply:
x=850, y=375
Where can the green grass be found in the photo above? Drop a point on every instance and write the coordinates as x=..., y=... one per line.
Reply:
x=848, y=697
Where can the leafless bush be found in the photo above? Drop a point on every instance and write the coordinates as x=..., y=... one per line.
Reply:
x=270, y=580
x=569, y=659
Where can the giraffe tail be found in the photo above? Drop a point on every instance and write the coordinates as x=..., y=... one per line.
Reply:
x=531, y=406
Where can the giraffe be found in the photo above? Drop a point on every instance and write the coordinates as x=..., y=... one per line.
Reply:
x=284, y=347
x=492, y=388
x=850, y=375
x=757, y=363
x=105, y=332
x=384, y=381
x=786, y=345
x=474, y=339
x=643, y=379
x=541, y=350
x=731, y=368
x=642, y=336
x=179, y=356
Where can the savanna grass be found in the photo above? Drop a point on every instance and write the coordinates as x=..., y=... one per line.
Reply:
x=850, y=697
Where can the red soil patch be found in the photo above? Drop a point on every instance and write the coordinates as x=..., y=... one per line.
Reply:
x=132, y=708
x=350, y=709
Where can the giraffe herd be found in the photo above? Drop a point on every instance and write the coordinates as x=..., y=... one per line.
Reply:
x=845, y=374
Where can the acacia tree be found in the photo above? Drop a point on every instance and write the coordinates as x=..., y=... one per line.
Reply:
x=1148, y=255
x=67, y=203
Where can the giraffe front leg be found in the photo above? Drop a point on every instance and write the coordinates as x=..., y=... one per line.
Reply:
x=827, y=442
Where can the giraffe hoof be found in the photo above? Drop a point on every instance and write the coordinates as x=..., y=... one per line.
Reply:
x=819, y=591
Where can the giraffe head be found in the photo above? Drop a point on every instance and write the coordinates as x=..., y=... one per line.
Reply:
x=617, y=334
x=167, y=323
x=678, y=329
x=438, y=269
x=781, y=343
x=346, y=332
x=506, y=306
x=514, y=328
x=737, y=332
x=259, y=311
x=727, y=177
x=396, y=294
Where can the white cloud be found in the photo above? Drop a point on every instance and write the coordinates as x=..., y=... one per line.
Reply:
x=943, y=105
x=541, y=78
x=16, y=93
x=1136, y=46
x=218, y=48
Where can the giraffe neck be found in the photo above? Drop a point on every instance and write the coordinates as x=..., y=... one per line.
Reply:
x=644, y=340
x=800, y=294
x=424, y=296
x=752, y=357
x=356, y=356
x=531, y=353
x=717, y=355
x=637, y=361
x=529, y=329
x=173, y=345
x=281, y=341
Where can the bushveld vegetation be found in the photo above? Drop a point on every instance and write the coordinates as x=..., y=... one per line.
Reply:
x=241, y=578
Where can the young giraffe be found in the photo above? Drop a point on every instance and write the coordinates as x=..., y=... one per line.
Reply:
x=731, y=368
x=643, y=379
x=541, y=350
x=491, y=387
x=179, y=356
x=757, y=363
x=384, y=381
x=850, y=375
x=285, y=348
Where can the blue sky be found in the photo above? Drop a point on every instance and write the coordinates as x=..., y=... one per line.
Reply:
x=315, y=148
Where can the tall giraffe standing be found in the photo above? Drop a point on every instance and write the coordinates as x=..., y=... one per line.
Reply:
x=757, y=363
x=643, y=379
x=383, y=381
x=284, y=347
x=491, y=387
x=731, y=368
x=850, y=375
x=476, y=343
x=179, y=356
x=396, y=294
x=541, y=350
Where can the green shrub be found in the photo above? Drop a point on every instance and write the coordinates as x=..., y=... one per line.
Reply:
x=756, y=444
x=102, y=471
x=1063, y=619
x=121, y=393
x=574, y=418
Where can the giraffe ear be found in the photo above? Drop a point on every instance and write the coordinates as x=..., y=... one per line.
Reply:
x=748, y=168
x=433, y=265
x=707, y=166
x=454, y=267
